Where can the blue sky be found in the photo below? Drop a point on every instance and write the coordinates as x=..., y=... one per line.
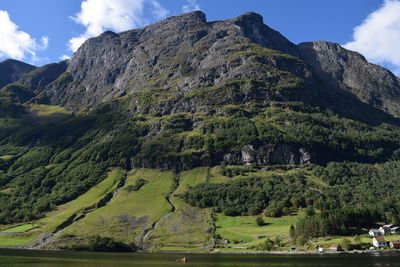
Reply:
x=43, y=31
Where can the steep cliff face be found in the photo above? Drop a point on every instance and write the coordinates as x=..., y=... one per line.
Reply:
x=186, y=64
x=342, y=69
x=11, y=70
x=180, y=55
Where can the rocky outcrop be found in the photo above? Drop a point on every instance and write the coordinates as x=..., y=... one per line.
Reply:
x=346, y=70
x=12, y=70
x=285, y=154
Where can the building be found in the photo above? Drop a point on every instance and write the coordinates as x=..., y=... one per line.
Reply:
x=374, y=232
x=386, y=229
x=395, y=230
x=379, y=242
x=394, y=244
x=335, y=247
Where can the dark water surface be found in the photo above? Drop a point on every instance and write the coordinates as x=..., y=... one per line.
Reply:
x=13, y=258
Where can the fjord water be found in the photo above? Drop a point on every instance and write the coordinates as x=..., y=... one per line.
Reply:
x=66, y=258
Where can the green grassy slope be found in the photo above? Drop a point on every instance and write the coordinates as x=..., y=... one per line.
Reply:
x=55, y=218
x=129, y=214
x=187, y=227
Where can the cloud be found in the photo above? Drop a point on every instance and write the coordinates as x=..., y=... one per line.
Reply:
x=378, y=37
x=98, y=16
x=18, y=44
x=65, y=57
x=191, y=5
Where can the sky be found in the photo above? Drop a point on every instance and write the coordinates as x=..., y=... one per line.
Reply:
x=45, y=31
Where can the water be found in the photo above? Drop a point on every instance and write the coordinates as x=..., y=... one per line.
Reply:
x=66, y=258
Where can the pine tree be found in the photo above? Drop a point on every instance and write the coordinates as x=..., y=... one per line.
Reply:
x=292, y=233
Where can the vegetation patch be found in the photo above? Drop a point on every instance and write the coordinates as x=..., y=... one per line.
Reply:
x=21, y=228
x=139, y=183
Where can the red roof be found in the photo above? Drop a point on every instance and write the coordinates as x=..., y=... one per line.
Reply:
x=380, y=239
x=395, y=242
x=334, y=246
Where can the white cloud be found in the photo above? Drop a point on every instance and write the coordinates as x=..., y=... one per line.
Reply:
x=378, y=37
x=18, y=44
x=118, y=15
x=191, y=5
x=65, y=57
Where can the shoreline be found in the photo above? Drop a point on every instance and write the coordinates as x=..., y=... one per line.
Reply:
x=276, y=253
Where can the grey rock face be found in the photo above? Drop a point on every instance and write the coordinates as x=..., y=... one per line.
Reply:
x=342, y=69
x=179, y=55
x=12, y=70
x=270, y=154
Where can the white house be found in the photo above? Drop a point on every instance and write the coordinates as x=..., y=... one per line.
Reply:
x=374, y=232
x=335, y=247
x=379, y=242
x=385, y=229
x=395, y=230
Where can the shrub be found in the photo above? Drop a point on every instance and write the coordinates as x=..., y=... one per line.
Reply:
x=259, y=221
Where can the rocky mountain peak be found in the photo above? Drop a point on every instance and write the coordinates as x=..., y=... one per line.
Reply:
x=342, y=69
x=11, y=71
x=249, y=18
x=179, y=54
x=194, y=16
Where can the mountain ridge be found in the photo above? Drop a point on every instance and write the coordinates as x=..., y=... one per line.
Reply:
x=11, y=71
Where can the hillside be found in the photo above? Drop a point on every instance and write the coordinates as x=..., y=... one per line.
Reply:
x=197, y=110
x=12, y=70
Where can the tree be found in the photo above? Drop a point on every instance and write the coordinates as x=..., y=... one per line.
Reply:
x=300, y=241
x=259, y=221
x=395, y=219
x=292, y=233
x=310, y=211
x=286, y=211
x=345, y=244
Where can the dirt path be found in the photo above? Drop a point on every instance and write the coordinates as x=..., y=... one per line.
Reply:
x=49, y=238
x=144, y=238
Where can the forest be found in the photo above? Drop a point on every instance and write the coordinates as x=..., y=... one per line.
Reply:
x=354, y=195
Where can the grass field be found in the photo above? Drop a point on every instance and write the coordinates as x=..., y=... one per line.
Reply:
x=245, y=228
x=188, y=227
x=53, y=219
x=12, y=241
x=46, y=113
x=21, y=228
x=129, y=213
x=365, y=239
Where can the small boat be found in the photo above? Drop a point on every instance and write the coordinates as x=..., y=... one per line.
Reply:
x=184, y=259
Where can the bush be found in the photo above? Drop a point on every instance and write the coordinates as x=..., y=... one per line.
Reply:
x=310, y=211
x=259, y=221
x=99, y=243
x=139, y=183
x=301, y=241
x=345, y=243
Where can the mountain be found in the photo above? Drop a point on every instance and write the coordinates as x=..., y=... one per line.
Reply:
x=349, y=71
x=187, y=111
x=12, y=70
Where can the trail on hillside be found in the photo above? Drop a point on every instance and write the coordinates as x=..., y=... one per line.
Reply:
x=143, y=240
x=47, y=239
